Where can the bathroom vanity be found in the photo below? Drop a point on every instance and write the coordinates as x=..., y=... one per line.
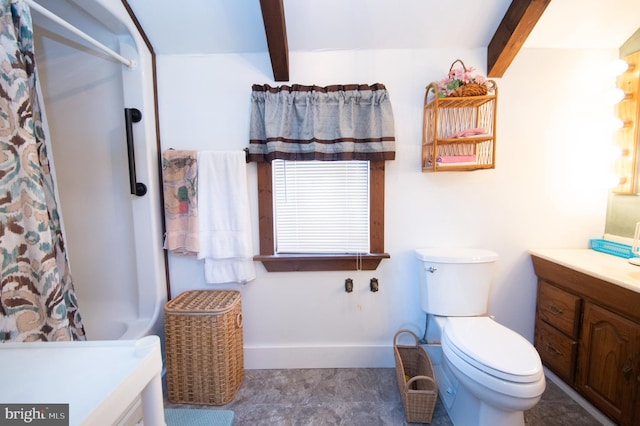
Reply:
x=587, y=327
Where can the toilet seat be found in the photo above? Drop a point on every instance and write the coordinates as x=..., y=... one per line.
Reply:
x=493, y=349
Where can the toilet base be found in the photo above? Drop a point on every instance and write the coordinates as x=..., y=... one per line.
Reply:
x=462, y=406
x=468, y=410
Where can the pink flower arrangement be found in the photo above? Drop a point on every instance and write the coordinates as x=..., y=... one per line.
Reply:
x=458, y=77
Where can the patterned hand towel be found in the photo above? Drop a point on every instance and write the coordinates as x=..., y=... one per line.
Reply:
x=224, y=220
x=180, y=173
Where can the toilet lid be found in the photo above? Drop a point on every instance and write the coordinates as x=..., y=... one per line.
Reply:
x=493, y=348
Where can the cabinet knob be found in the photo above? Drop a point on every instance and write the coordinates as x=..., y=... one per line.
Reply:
x=626, y=372
x=553, y=350
x=555, y=310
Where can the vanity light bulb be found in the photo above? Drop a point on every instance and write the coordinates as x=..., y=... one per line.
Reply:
x=611, y=180
x=616, y=123
x=614, y=96
x=612, y=153
x=617, y=67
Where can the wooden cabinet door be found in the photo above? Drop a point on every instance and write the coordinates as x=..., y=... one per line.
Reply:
x=607, y=361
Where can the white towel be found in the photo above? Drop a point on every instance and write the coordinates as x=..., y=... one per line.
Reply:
x=223, y=218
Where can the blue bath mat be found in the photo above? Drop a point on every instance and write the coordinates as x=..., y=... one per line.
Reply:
x=198, y=417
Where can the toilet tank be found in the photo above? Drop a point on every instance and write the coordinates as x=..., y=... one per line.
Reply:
x=455, y=281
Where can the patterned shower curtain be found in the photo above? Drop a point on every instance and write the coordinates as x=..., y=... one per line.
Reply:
x=37, y=300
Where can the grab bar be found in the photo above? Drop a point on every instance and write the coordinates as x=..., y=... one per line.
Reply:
x=133, y=115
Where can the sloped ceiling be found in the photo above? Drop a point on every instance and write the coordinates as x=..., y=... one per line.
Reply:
x=583, y=24
x=236, y=26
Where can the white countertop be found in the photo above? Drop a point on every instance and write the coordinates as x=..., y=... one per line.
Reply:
x=616, y=270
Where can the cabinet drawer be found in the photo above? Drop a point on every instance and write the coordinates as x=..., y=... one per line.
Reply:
x=559, y=308
x=557, y=351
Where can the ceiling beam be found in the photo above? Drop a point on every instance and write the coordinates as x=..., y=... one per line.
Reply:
x=511, y=34
x=276, y=31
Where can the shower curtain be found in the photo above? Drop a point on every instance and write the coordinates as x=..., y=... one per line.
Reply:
x=37, y=300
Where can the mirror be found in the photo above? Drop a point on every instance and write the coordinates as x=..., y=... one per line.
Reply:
x=623, y=210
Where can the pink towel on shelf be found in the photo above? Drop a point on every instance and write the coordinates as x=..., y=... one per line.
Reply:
x=180, y=178
x=477, y=131
x=456, y=159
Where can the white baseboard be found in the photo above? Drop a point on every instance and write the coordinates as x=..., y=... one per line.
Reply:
x=258, y=358
x=578, y=399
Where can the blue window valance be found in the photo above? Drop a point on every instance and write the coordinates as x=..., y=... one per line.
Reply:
x=340, y=122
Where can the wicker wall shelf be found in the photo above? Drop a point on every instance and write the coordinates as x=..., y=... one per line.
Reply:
x=451, y=135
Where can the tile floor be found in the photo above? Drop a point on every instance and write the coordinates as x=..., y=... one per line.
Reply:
x=355, y=397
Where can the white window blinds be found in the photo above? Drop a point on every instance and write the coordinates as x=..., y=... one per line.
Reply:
x=321, y=206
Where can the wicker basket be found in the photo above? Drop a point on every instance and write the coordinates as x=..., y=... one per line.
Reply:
x=416, y=380
x=469, y=89
x=204, y=347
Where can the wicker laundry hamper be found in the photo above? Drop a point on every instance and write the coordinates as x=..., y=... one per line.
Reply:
x=416, y=380
x=204, y=347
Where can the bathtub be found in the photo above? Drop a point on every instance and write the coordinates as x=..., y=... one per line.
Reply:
x=113, y=237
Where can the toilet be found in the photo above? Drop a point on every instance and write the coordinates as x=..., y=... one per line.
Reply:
x=487, y=374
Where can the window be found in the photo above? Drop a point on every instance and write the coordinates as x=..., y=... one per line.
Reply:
x=329, y=124
x=292, y=239
x=321, y=206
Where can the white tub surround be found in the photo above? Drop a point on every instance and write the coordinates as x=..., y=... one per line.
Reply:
x=113, y=237
x=104, y=382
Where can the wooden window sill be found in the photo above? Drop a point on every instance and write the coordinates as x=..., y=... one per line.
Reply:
x=319, y=262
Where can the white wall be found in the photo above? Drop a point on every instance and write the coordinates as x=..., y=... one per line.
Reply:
x=541, y=193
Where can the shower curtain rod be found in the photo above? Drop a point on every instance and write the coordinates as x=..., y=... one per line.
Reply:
x=47, y=13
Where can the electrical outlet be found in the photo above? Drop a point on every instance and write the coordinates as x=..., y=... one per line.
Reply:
x=348, y=285
x=373, y=284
